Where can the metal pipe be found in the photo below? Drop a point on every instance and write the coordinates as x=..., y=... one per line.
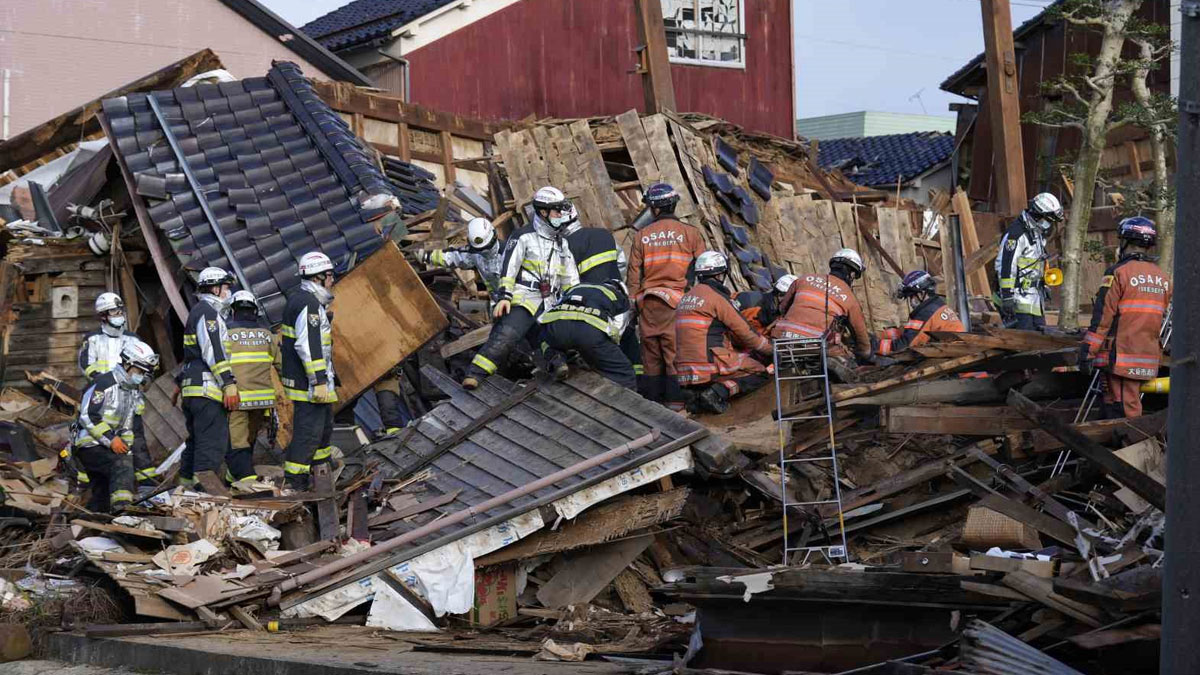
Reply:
x=1181, y=576
x=407, y=72
x=459, y=516
x=200, y=198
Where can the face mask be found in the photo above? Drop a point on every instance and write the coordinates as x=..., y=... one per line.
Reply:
x=116, y=321
x=137, y=378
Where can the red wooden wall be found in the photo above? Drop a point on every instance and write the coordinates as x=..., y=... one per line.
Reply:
x=570, y=58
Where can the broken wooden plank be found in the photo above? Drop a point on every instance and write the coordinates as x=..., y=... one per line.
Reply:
x=960, y=420
x=1144, y=486
x=668, y=166
x=420, y=507
x=328, y=520
x=585, y=574
x=120, y=529
x=977, y=280
x=1042, y=590
x=592, y=164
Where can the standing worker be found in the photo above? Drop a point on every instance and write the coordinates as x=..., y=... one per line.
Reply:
x=928, y=313
x=208, y=386
x=484, y=254
x=99, y=354
x=1127, y=316
x=661, y=261
x=714, y=357
x=1022, y=261
x=537, y=266
x=253, y=356
x=821, y=306
x=308, y=376
x=104, y=435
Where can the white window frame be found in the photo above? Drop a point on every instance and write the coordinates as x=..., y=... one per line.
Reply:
x=741, y=37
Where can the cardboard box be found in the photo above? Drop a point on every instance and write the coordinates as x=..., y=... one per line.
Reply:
x=495, y=594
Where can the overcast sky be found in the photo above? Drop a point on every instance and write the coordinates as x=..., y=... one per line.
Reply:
x=851, y=54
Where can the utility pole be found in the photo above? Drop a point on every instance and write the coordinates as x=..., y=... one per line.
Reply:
x=653, y=64
x=1004, y=107
x=1181, y=576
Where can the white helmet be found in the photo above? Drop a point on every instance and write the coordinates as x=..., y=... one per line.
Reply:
x=1045, y=210
x=314, y=263
x=139, y=354
x=214, y=276
x=850, y=258
x=480, y=233
x=711, y=264
x=243, y=297
x=550, y=198
x=784, y=283
x=106, y=302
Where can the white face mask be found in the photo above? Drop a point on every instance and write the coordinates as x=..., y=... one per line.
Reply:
x=116, y=321
x=137, y=378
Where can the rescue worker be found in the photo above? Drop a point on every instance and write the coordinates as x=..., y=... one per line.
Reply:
x=598, y=260
x=104, y=431
x=585, y=320
x=537, y=266
x=761, y=309
x=825, y=305
x=484, y=254
x=99, y=354
x=393, y=412
x=1022, y=262
x=1127, y=316
x=928, y=313
x=208, y=387
x=252, y=355
x=661, y=261
x=714, y=357
x=308, y=375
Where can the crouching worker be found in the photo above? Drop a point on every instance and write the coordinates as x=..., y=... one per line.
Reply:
x=253, y=355
x=484, y=254
x=587, y=320
x=822, y=306
x=928, y=313
x=108, y=416
x=761, y=309
x=715, y=347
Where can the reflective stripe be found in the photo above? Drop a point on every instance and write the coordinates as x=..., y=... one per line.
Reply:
x=100, y=429
x=146, y=474
x=607, y=292
x=598, y=259
x=322, y=453
x=121, y=496
x=98, y=366
x=250, y=357
x=567, y=315
x=639, y=369
x=915, y=324
x=667, y=257
x=533, y=265
x=314, y=365
x=508, y=283
x=1092, y=338
x=297, y=394
x=189, y=339
x=220, y=367
x=187, y=482
x=202, y=391
x=885, y=346
x=288, y=331
x=1008, y=283
x=438, y=258
x=82, y=477
x=811, y=295
x=256, y=394
x=484, y=363
x=1141, y=307
x=694, y=322
x=805, y=331
x=296, y=469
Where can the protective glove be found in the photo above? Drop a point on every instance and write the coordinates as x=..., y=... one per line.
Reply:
x=1084, y=361
x=1008, y=309
x=503, y=307
x=232, y=398
x=426, y=256
x=118, y=446
x=321, y=393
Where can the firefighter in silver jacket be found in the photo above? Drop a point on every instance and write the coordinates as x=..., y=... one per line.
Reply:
x=1021, y=263
x=484, y=254
x=308, y=375
x=106, y=429
x=537, y=267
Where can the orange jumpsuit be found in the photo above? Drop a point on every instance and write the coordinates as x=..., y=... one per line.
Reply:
x=930, y=316
x=1123, y=339
x=816, y=305
x=715, y=344
x=659, y=262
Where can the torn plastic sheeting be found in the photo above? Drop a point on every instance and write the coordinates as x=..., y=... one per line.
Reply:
x=252, y=528
x=183, y=560
x=572, y=505
x=332, y=605
x=392, y=612
x=99, y=545
x=754, y=583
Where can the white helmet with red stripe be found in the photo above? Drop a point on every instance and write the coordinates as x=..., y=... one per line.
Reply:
x=314, y=263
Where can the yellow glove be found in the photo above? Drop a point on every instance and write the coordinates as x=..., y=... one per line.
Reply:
x=501, y=309
x=321, y=393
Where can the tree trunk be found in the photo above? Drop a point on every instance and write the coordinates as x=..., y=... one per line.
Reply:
x=1087, y=165
x=1160, y=201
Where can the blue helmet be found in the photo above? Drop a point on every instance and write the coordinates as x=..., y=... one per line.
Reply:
x=661, y=196
x=1138, y=229
x=916, y=282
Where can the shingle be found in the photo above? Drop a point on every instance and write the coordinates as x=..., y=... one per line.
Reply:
x=364, y=20
x=881, y=160
x=256, y=147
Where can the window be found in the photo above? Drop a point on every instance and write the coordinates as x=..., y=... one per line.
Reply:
x=705, y=32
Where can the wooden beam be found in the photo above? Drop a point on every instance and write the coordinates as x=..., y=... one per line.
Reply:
x=347, y=98
x=1144, y=486
x=448, y=158
x=977, y=278
x=655, y=66
x=1004, y=106
x=954, y=419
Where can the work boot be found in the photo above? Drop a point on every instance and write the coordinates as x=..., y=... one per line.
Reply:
x=711, y=400
x=470, y=383
x=294, y=483
x=561, y=371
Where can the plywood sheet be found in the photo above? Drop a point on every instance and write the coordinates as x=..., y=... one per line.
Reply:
x=383, y=313
x=592, y=163
x=630, y=124
x=664, y=155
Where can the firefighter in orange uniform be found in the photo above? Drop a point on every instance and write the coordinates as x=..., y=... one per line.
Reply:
x=1127, y=317
x=761, y=309
x=929, y=313
x=715, y=347
x=822, y=305
x=660, y=262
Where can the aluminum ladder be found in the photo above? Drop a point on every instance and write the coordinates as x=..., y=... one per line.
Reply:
x=798, y=360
